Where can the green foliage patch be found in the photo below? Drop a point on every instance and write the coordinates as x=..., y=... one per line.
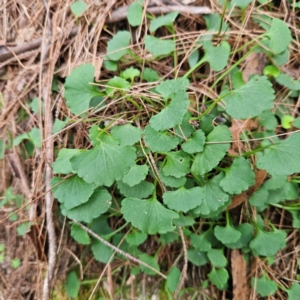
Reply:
x=175, y=167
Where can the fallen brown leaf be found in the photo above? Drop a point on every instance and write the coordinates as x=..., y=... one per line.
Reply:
x=239, y=276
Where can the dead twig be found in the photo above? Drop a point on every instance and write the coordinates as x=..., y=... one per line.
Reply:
x=128, y=256
x=120, y=13
x=44, y=90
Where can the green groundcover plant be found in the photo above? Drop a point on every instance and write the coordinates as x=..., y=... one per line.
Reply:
x=177, y=169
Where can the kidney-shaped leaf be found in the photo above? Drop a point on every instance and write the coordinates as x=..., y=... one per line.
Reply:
x=264, y=286
x=213, y=152
x=172, y=114
x=251, y=99
x=217, y=57
x=149, y=216
x=97, y=204
x=117, y=46
x=166, y=20
x=160, y=141
x=184, y=199
x=104, y=164
x=268, y=243
x=238, y=177
x=282, y=158
x=177, y=164
x=72, y=191
x=159, y=47
x=127, y=134
x=78, y=90
x=279, y=35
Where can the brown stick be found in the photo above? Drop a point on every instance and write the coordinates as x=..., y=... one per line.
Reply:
x=45, y=82
x=120, y=13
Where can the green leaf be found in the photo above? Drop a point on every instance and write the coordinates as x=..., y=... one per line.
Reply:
x=115, y=47
x=238, y=177
x=193, y=58
x=78, y=90
x=135, y=14
x=296, y=122
x=281, y=58
x=271, y=71
x=286, y=121
x=206, y=124
x=213, y=152
x=78, y=8
x=241, y=3
x=219, y=278
x=159, y=47
x=183, y=199
x=268, y=120
x=34, y=135
x=149, y=216
x=246, y=231
x=110, y=65
x=169, y=88
x=288, y=81
x=251, y=99
x=200, y=242
x=72, y=191
x=264, y=286
x=294, y=291
x=101, y=137
x=72, y=285
x=116, y=83
x=135, y=175
x=296, y=218
x=185, y=129
x=217, y=257
x=282, y=158
x=127, y=134
x=151, y=261
x=279, y=35
x=184, y=221
x=214, y=23
x=104, y=164
x=130, y=73
x=177, y=164
x=62, y=164
x=36, y=105
x=166, y=20
x=217, y=57
x=171, y=180
x=168, y=238
x=136, y=238
x=195, y=143
x=268, y=243
x=172, y=114
x=214, y=197
x=197, y=258
x=172, y=279
x=97, y=204
x=80, y=235
x=15, y=263
x=227, y=234
x=101, y=252
x=59, y=125
x=24, y=228
x=150, y=75
x=141, y=190
x=160, y=141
